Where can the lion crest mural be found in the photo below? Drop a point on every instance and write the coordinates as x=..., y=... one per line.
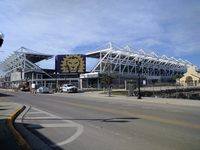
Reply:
x=72, y=64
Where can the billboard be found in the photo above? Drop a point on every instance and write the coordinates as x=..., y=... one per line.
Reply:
x=75, y=63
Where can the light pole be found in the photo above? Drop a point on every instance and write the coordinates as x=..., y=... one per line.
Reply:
x=138, y=70
x=56, y=81
x=57, y=77
x=109, y=78
x=20, y=69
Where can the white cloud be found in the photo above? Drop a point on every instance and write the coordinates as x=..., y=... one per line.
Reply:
x=61, y=26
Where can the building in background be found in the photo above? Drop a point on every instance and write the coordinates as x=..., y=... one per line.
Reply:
x=125, y=65
x=20, y=68
x=191, y=77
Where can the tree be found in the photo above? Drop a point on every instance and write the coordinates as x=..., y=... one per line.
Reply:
x=178, y=77
x=106, y=80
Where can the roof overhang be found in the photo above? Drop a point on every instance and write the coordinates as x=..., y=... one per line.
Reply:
x=37, y=57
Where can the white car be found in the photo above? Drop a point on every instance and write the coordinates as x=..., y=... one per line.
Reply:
x=69, y=88
x=43, y=89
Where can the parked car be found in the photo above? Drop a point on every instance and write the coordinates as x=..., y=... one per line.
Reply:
x=43, y=89
x=69, y=88
x=24, y=86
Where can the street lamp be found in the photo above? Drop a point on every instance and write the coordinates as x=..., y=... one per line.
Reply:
x=20, y=70
x=56, y=77
x=1, y=39
x=138, y=70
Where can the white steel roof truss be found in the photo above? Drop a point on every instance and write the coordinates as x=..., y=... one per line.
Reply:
x=107, y=62
x=126, y=63
x=151, y=64
x=100, y=61
x=134, y=66
x=118, y=63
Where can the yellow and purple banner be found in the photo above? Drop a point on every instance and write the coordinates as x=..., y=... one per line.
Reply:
x=75, y=63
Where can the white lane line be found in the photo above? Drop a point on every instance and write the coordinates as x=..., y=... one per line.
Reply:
x=54, y=116
x=148, y=107
x=34, y=112
x=94, y=126
x=70, y=123
x=79, y=131
x=116, y=133
x=35, y=118
x=50, y=125
x=179, y=111
x=44, y=112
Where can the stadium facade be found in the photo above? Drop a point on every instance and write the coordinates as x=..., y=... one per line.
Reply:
x=125, y=64
x=21, y=66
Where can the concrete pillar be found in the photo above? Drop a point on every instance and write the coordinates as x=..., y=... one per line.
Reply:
x=98, y=84
x=81, y=84
x=125, y=82
x=87, y=82
x=32, y=77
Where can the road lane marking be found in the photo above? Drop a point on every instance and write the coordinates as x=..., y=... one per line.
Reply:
x=37, y=118
x=79, y=131
x=68, y=123
x=143, y=116
x=173, y=111
x=35, y=112
x=50, y=125
x=94, y=126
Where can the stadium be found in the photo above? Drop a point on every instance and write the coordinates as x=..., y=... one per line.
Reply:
x=125, y=65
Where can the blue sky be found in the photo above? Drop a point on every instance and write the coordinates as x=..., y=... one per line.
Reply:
x=78, y=26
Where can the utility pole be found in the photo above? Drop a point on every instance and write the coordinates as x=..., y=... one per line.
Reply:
x=138, y=69
x=56, y=80
x=109, y=78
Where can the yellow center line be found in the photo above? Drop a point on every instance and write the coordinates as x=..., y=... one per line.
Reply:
x=143, y=116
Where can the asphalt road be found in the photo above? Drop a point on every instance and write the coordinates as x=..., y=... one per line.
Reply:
x=76, y=121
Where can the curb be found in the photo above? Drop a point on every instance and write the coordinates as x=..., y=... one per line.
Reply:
x=19, y=139
x=34, y=142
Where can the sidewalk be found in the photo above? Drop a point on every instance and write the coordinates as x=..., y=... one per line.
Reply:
x=158, y=100
x=10, y=138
